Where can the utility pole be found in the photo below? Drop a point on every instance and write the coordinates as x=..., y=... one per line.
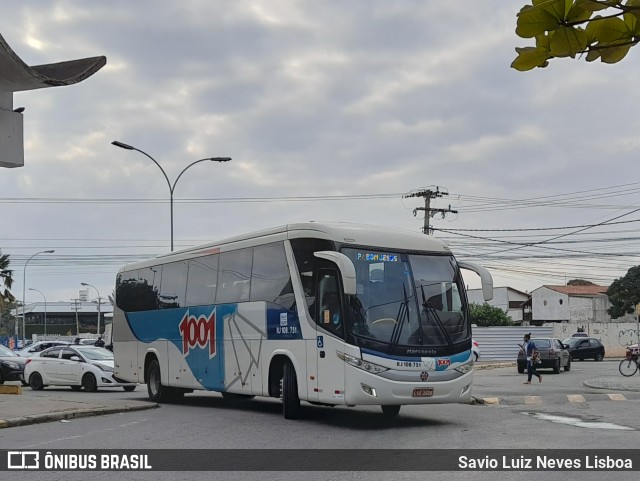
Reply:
x=429, y=211
x=75, y=301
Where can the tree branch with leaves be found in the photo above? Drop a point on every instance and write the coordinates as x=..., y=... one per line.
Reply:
x=6, y=280
x=595, y=29
x=624, y=293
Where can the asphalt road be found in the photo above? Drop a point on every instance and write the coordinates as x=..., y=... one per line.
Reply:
x=206, y=421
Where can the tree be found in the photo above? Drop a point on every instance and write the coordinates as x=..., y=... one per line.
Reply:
x=604, y=29
x=580, y=282
x=487, y=315
x=6, y=280
x=624, y=293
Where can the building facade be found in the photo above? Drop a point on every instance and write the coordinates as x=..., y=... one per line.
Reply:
x=572, y=304
x=63, y=318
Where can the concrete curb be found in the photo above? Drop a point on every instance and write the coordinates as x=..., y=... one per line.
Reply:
x=10, y=389
x=76, y=413
x=494, y=365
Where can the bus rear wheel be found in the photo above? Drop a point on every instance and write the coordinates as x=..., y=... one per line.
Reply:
x=290, y=399
x=157, y=392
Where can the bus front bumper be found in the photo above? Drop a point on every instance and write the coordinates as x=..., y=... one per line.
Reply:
x=366, y=388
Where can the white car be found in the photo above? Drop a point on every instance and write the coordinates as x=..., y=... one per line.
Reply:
x=39, y=346
x=475, y=348
x=85, y=367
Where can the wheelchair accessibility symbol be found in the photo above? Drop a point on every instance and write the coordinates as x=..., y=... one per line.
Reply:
x=320, y=340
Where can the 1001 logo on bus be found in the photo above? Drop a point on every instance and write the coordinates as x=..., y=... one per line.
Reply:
x=198, y=331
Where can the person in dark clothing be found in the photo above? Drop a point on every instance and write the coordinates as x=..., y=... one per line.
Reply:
x=99, y=342
x=529, y=349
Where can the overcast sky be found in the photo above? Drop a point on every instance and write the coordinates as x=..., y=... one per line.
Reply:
x=325, y=100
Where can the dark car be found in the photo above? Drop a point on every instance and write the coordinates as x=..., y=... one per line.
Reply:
x=11, y=365
x=585, y=348
x=552, y=354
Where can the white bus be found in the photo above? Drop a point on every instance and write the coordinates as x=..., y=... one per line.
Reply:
x=332, y=314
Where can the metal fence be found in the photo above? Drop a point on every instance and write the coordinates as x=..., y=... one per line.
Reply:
x=501, y=343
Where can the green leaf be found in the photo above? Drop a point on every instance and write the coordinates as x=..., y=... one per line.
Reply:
x=529, y=58
x=610, y=30
x=590, y=5
x=578, y=14
x=592, y=55
x=614, y=54
x=568, y=41
x=636, y=5
x=534, y=21
x=543, y=41
x=633, y=23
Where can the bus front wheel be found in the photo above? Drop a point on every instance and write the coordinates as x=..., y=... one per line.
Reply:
x=290, y=399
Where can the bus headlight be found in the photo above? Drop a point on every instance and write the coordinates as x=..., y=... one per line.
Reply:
x=361, y=364
x=465, y=368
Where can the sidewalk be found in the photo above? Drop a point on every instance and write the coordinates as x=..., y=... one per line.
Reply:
x=19, y=410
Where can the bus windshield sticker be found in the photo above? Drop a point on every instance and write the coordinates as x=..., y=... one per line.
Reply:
x=371, y=257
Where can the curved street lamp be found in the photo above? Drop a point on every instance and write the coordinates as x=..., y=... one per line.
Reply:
x=45, y=310
x=171, y=186
x=24, y=285
x=99, y=299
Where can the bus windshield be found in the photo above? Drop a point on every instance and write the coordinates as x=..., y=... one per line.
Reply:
x=408, y=303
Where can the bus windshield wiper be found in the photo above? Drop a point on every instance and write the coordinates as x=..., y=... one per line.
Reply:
x=434, y=315
x=403, y=313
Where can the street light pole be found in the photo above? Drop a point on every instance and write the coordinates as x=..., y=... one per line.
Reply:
x=24, y=295
x=171, y=186
x=99, y=299
x=45, y=310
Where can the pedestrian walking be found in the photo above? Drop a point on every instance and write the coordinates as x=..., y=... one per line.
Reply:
x=530, y=352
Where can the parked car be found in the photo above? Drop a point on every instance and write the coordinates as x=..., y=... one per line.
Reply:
x=584, y=348
x=475, y=348
x=580, y=334
x=11, y=365
x=79, y=367
x=39, y=346
x=552, y=354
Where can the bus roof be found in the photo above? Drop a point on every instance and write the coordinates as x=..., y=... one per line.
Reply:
x=346, y=233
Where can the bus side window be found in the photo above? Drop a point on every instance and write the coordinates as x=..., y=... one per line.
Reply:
x=202, y=281
x=234, y=275
x=331, y=315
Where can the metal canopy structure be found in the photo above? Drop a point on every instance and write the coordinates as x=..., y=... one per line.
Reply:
x=16, y=76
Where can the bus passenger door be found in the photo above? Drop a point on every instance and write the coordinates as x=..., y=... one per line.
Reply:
x=329, y=337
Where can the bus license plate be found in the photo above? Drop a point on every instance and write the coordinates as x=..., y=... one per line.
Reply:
x=423, y=392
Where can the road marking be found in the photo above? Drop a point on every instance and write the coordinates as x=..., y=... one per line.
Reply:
x=532, y=400
x=576, y=398
x=491, y=400
x=617, y=397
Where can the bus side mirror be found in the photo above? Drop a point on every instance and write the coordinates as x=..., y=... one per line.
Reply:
x=346, y=267
x=485, y=278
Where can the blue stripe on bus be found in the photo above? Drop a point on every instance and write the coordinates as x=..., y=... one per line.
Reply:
x=202, y=323
x=461, y=357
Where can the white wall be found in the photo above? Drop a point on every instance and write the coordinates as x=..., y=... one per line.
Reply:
x=549, y=305
x=614, y=335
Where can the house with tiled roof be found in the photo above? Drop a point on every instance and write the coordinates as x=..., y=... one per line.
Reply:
x=571, y=304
